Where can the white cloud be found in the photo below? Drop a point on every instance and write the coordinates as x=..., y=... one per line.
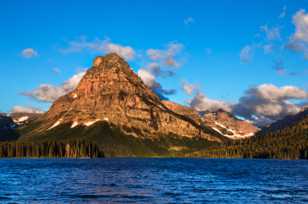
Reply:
x=267, y=103
x=23, y=109
x=299, y=40
x=189, y=88
x=50, y=93
x=168, y=55
x=300, y=20
x=104, y=46
x=189, y=20
x=126, y=52
x=29, y=53
x=150, y=80
x=271, y=33
x=147, y=77
x=201, y=103
x=155, y=54
x=157, y=71
x=246, y=54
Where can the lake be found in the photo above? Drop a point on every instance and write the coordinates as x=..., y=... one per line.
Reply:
x=130, y=180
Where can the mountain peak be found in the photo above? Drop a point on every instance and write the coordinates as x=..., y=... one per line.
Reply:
x=111, y=59
x=111, y=92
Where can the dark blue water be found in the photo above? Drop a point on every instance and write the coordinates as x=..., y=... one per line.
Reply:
x=153, y=181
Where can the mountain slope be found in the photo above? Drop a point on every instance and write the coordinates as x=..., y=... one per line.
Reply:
x=7, y=129
x=23, y=118
x=228, y=125
x=112, y=96
x=284, y=139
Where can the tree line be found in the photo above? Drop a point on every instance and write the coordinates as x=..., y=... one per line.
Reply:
x=288, y=143
x=51, y=149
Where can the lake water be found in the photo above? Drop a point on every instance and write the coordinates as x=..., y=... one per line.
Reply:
x=153, y=181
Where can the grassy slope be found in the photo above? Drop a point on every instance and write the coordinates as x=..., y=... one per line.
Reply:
x=115, y=143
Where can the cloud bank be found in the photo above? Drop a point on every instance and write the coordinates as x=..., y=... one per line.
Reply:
x=263, y=104
x=50, y=93
x=23, y=109
x=267, y=103
x=299, y=40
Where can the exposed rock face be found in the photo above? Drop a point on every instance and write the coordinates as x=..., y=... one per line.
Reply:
x=229, y=126
x=110, y=91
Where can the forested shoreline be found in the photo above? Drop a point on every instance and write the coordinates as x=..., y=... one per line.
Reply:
x=50, y=149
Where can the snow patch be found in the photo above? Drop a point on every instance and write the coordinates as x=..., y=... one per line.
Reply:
x=74, y=124
x=21, y=119
x=89, y=123
x=55, y=124
x=75, y=95
x=234, y=135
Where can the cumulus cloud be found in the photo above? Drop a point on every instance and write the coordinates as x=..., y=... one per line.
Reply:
x=189, y=88
x=126, y=52
x=159, y=65
x=263, y=104
x=267, y=103
x=167, y=56
x=299, y=40
x=189, y=20
x=104, y=46
x=149, y=79
x=271, y=33
x=29, y=53
x=300, y=20
x=50, y=93
x=23, y=109
x=157, y=70
x=246, y=54
x=202, y=103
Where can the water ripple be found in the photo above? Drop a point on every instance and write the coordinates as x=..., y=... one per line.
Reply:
x=153, y=181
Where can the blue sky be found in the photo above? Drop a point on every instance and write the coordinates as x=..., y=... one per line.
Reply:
x=212, y=35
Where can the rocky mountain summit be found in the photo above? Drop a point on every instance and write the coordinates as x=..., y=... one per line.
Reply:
x=110, y=92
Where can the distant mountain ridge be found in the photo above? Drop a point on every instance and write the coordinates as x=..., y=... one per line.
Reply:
x=228, y=125
x=114, y=111
x=7, y=128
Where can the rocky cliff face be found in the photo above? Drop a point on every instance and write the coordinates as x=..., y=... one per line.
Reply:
x=229, y=126
x=110, y=91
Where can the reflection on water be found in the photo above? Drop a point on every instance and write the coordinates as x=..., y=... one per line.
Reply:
x=153, y=181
